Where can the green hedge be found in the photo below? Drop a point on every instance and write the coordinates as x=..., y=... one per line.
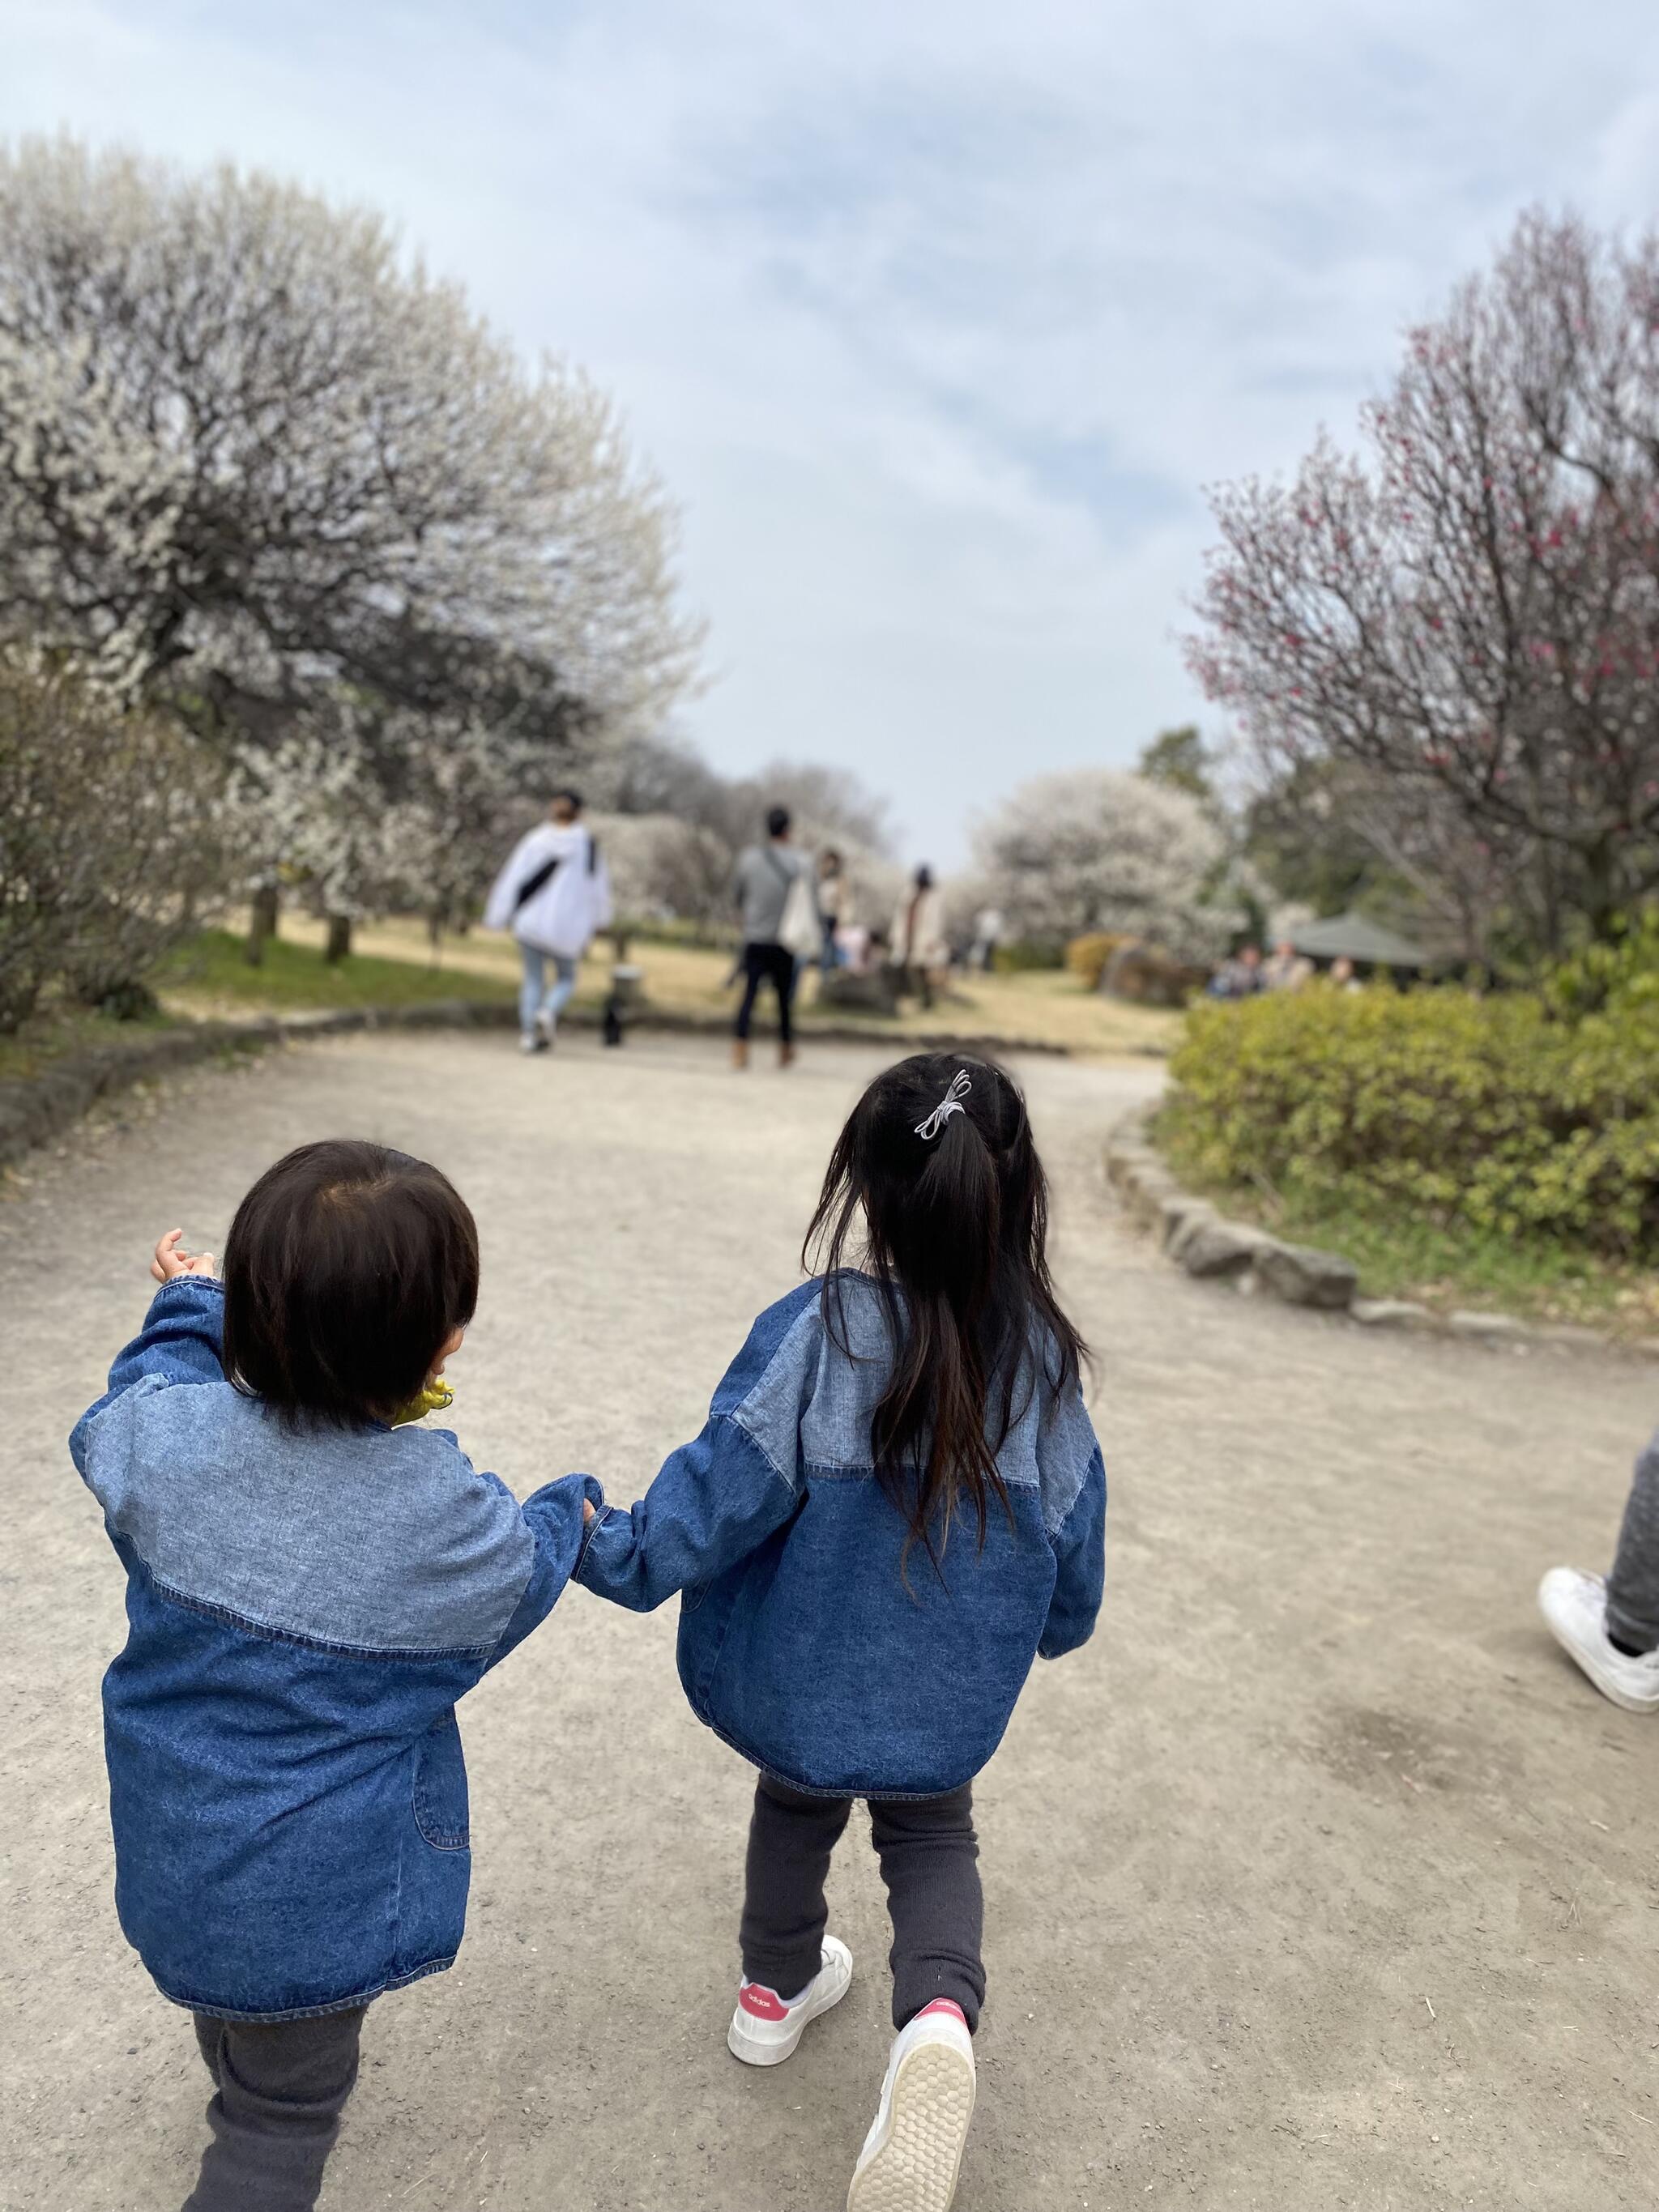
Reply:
x=1511, y=1113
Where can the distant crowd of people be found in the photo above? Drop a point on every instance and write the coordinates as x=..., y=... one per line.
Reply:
x=1245, y=973
x=796, y=911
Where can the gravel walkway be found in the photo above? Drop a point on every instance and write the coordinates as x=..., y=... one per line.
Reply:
x=1319, y=1879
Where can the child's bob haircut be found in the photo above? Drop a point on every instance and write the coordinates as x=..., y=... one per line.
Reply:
x=346, y=1269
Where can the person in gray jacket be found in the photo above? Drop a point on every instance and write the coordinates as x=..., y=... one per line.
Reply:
x=764, y=878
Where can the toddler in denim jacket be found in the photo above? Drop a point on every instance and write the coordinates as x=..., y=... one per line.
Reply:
x=897, y=1503
x=310, y=1589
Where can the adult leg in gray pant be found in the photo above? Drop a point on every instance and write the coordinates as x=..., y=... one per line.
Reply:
x=929, y=1861
x=1633, y=1585
x=282, y=2086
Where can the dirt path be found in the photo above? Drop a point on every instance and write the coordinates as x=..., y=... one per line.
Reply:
x=1317, y=1879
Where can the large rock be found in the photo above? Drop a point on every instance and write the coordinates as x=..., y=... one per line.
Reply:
x=1147, y=976
x=1144, y=1189
x=1215, y=1248
x=1178, y=1215
x=877, y=993
x=1304, y=1277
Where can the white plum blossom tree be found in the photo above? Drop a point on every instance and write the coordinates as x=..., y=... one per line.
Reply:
x=252, y=454
x=1101, y=849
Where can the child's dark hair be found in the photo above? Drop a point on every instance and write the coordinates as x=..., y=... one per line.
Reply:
x=346, y=1268
x=954, y=1234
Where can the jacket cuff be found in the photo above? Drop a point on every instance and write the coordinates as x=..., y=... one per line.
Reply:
x=593, y=1494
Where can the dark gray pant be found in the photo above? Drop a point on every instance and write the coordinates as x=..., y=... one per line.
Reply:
x=774, y=964
x=930, y=1863
x=1633, y=1585
x=281, y=2085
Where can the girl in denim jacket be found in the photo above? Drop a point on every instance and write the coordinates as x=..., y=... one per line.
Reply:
x=897, y=1503
x=311, y=1584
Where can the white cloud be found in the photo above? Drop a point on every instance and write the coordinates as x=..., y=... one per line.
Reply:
x=935, y=318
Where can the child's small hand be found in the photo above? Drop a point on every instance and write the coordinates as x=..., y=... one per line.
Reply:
x=587, y=1511
x=169, y=1262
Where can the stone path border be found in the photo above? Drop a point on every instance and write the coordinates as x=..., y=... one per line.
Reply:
x=37, y=1109
x=1200, y=1238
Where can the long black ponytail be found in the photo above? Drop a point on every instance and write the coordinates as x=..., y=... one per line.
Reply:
x=952, y=1228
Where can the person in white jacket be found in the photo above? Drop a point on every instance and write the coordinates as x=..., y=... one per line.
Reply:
x=921, y=946
x=553, y=894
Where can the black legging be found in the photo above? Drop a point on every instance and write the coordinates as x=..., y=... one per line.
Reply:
x=281, y=2085
x=767, y=963
x=930, y=1863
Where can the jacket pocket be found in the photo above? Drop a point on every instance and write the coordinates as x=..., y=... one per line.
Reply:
x=440, y=1800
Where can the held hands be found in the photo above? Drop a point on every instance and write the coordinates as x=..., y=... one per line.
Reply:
x=169, y=1262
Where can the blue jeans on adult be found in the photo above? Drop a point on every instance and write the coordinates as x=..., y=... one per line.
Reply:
x=535, y=997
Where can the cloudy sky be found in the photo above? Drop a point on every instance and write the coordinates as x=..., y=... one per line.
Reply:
x=936, y=318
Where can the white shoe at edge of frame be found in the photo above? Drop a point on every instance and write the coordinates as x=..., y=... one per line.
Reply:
x=913, y=2153
x=764, y=2031
x=1574, y=1608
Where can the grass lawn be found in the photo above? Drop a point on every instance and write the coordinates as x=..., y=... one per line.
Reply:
x=209, y=976
x=1454, y=1269
x=55, y=1030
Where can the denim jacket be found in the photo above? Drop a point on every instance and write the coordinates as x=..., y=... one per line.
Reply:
x=804, y=1641
x=304, y=1608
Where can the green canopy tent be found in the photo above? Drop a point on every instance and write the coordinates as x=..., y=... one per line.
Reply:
x=1367, y=944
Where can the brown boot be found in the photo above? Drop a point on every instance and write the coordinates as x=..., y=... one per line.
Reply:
x=739, y=1052
x=785, y=1055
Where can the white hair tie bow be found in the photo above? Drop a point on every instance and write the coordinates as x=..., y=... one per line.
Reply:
x=951, y=1103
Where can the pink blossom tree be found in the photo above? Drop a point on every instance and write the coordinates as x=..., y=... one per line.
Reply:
x=1464, y=618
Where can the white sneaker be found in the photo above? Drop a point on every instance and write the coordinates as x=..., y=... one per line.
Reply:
x=913, y=2154
x=532, y=1041
x=547, y=1029
x=764, y=2031
x=1575, y=1607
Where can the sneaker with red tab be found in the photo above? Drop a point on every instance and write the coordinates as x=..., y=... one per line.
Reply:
x=913, y=2153
x=764, y=2030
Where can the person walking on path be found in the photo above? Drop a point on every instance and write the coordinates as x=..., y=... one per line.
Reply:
x=553, y=894
x=313, y=1582
x=919, y=944
x=1610, y=1625
x=766, y=877
x=896, y=1506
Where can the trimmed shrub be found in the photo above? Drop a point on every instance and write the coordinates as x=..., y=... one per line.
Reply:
x=107, y=836
x=1086, y=955
x=1023, y=954
x=1496, y=1112
x=1149, y=975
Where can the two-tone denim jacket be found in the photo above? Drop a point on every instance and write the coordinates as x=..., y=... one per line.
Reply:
x=807, y=1639
x=305, y=1606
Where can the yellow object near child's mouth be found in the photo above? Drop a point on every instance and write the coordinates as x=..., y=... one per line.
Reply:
x=434, y=1398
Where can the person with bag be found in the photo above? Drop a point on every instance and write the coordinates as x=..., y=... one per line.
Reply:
x=773, y=891
x=553, y=894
